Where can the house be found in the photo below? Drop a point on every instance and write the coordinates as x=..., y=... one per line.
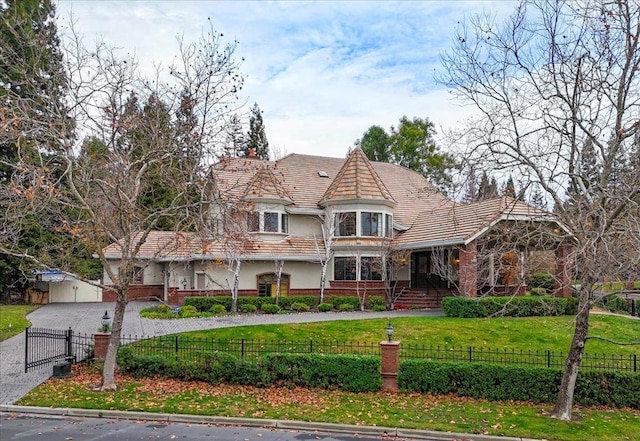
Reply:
x=335, y=226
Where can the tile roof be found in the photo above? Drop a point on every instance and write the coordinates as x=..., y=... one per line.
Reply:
x=460, y=223
x=265, y=185
x=356, y=180
x=169, y=246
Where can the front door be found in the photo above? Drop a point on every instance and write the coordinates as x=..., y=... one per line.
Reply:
x=423, y=271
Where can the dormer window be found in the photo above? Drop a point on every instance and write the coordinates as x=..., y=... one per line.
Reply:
x=363, y=224
x=267, y=222
x=371, y=224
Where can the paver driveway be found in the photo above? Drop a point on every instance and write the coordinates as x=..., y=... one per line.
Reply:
x=85, y=318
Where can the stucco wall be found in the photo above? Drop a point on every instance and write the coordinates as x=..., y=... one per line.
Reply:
x=70, y=291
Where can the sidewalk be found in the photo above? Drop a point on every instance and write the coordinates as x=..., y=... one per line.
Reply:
x=85, y=318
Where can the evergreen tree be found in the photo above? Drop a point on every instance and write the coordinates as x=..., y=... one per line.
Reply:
x=30, y=72
x=509, y=188
x=236, y=144
x=256, y=137
x=410, y=145
x=488, y=188
x=470, y=187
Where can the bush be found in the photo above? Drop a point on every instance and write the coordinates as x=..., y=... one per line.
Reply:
x=350, y=373
x=248, y=308
x=325, y=307
x=545, y=281
x=346, y=307
x=163, y=308
x=374, y=301
x=336, y=301
x=537, y=292
x=188, y=311
x=217, y=309
x=507, y=306
x=300, y=307
x=500, y=382
x=270, y=308
x=379, y=308
x=616, y=303
x=288, y=301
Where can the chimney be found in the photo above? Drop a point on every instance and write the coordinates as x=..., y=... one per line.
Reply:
x=252, y=153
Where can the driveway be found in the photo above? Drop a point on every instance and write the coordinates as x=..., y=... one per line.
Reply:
x=85, y=318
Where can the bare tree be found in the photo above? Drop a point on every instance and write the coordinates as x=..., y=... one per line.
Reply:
x=133, y=141
x=558, y=94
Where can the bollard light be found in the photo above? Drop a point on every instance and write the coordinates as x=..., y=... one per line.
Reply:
x=389, y=331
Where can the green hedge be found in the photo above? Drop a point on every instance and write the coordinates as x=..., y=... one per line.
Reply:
x=499, y=382
x=508, y=306
x=350, y=373
x=336, y=301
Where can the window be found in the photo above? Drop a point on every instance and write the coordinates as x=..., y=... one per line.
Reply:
x=136, y=275
x=285, y=223
x=346, y=224
x=388, y=220
x=253, y=221
x=370, y=268
x=371, y=224
x=344, y=268
x=270, y=222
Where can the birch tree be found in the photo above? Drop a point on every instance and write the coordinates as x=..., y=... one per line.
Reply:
x=557, y=91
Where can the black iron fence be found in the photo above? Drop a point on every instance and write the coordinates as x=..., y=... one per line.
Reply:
x=45, y=347
x=549, y=359
x=195, y=349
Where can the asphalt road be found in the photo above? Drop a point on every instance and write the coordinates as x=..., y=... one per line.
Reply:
x=44, y=428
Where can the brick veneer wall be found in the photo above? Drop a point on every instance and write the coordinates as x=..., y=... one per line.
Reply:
x=135, y=292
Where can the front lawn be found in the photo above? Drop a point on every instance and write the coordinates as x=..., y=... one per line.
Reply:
x=415, y=411
x=528, y=333
x=13, y=319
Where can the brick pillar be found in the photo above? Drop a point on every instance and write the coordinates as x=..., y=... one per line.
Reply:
x=563, y=279
x=468, y=270
x=100, y=345
x=389, y=365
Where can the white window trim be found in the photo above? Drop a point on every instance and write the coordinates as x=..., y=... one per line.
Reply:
x=261, y=218
x=382, y=228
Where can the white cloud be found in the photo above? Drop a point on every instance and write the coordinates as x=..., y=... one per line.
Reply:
x=322, y=72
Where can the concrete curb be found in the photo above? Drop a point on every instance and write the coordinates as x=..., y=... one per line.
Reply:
x=255, y=422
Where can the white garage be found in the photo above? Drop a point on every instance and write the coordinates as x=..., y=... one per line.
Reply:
x=65, y=288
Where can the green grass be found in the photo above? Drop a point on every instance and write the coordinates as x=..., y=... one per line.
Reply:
x=529, y=333
x=442, y=413
x=13, y=319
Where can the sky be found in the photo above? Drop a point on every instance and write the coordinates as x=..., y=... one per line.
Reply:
x=321, y=72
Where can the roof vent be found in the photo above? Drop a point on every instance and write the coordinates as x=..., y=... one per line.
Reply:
x=323, y=174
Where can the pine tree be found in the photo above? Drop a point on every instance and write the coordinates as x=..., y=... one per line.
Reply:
x=256, y=137
x=488, y=188
x=34, y=119
x=236, y=142
x=471, y=187
x=509, y=188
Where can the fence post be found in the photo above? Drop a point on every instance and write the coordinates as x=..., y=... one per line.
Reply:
x=100, y=345
x=26, y=349
x=311, y=346
x=242, y=349
x=635, y=362
x=389, y=363
x=69, y=341
x=470, y=354
x=548, y=358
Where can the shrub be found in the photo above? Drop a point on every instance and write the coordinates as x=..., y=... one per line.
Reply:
x=374, y=301
x=270, y=308
x=500, y=382
x=350, y=373
x=379, y=308
x=300, y=307
x=217, y=309
x=336, y=301
x=325, y=307
x=346, y=307
x=163, y=308
x=248, y=308
x=188, y=311
x=506, y=306
x=544, y=280
x=287, y=302
x=536, y=292
x=616, y=303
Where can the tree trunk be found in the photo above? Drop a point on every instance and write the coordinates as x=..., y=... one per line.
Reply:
x=564, y=404
x=323, y=280
x=109, y=370
x=234, y=289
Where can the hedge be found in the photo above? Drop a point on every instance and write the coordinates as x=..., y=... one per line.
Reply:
x=540, y=385
x=352, y=373
x=508, y=306
x=542, y=280
x=204, y=303
x=337, y=301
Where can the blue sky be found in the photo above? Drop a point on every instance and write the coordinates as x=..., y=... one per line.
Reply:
x=322, y=72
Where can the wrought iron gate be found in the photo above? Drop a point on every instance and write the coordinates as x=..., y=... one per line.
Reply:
x=44, y=347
